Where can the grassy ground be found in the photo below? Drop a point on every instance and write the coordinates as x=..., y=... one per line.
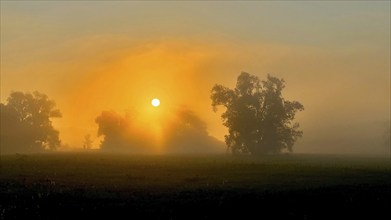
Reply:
x=63, y=186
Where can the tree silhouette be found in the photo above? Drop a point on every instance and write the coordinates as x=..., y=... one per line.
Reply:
x=184, y=132
x=26, y=124
x=87, y=142
x=258, y=118
x=114, y=128
x=188, y=134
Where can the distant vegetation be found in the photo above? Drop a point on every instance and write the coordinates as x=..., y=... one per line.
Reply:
x=26, y=124
x=185, y=133
x=259, y=119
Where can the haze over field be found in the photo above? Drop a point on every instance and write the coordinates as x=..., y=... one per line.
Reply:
x=101, y=56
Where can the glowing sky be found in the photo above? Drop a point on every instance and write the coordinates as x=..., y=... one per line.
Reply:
x=92, y=56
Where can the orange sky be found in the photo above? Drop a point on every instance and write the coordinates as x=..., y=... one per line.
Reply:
x=95, y=56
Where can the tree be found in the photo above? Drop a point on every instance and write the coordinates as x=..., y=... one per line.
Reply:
x=87, y=142
x=183, y=132
x=259, y=119
x=26, y=124
x=187, y=133
x=115, y=129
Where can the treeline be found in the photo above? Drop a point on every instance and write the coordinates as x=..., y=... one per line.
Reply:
x=258, y=118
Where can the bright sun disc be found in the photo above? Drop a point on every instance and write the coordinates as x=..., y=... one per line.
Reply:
x=155, y=102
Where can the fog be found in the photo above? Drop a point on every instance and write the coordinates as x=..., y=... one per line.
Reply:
x=103, y=62
x=183, y=133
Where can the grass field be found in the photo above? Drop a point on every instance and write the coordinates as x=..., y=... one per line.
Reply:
x=89, y=185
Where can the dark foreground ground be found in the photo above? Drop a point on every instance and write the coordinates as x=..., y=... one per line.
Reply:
x=85, y=186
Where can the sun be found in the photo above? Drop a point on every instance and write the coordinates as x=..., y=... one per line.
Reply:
x=155, y=102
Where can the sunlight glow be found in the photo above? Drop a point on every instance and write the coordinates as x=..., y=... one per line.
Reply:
x=155, y=102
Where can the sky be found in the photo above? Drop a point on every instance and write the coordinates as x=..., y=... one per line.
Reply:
x=94, y=56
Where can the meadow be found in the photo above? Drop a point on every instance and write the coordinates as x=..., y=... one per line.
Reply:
x=91, y=185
